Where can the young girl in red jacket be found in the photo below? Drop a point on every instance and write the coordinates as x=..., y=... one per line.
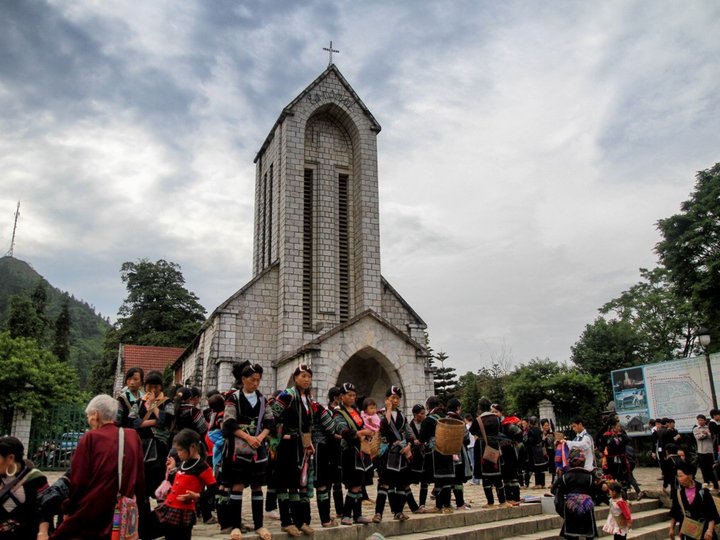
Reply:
x=175, y=518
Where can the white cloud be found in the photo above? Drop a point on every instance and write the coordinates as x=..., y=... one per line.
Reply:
x=526, y=151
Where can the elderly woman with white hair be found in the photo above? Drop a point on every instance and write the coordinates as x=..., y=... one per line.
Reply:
x=94, y=474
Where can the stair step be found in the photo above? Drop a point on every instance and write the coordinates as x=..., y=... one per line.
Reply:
x=533, y=526
x=653, y=531
x=475, y=524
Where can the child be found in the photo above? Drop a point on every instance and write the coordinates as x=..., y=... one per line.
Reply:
x=176, y=516
x=370, y=416
x=619, y=520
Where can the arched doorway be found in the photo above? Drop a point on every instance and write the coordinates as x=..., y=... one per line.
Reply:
x=371, y=373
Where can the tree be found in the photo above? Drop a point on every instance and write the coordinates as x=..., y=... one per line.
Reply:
x=690, y=249
x=608, y=345
x=104, y=371
x=30, y=376
x=39, y=298
x=23, y=320
x=445, y=379
x=158, y=310
x=61, y=338
x=486, y=382
x=571, y=392
x=665, y=320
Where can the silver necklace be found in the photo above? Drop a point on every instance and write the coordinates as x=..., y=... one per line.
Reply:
x=184, y=468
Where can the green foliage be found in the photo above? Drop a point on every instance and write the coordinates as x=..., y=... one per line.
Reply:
x=665, y=320
x=61, y=338
x=158, y=310
x=486, y=382
x=87, y=328
x=445, y=379
x=30, y=376
x=23, y=320
x=608, y=345
x=104, y=371
x=571, y=392
x=690, y=249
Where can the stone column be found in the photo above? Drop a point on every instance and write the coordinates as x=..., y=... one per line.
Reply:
x=547, y=410
x=21, y=423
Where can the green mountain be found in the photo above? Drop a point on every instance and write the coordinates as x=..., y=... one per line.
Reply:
x=87, y=328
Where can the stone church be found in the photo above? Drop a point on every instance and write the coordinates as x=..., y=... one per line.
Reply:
x=317, y=296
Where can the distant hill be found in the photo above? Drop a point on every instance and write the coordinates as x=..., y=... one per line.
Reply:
x=87, y=330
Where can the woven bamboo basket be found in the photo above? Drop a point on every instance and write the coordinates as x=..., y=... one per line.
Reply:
x=449, y=434
x=371, y=445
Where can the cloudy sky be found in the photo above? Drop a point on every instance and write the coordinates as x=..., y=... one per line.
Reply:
x=527, y=150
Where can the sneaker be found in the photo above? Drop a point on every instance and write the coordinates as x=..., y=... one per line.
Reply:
x=362, y=520
x=346, y=521
x=377, y=518
x=292, y=530
x=275, y=514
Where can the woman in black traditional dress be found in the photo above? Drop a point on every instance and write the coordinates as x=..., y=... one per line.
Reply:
x=293, y=412
x=394, y=470
x=130, y=394
x=463, y=468
x=188, y=416
x=487, y=428
x=439, y=468
x=510, y=444
x=538, y=453
x=615, y=442
x=417, y=465
x=21, y=488
x=574, y=493
x=325, y=461
x=355, y=464
x=548, y=436
x=691, y=500
x=152, y=417
x=247, y=422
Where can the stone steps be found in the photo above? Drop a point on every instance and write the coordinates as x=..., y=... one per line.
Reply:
x=525, y=522
x=648, y=525
x=533, y=525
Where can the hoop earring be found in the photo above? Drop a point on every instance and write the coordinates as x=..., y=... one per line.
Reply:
x=15, y=470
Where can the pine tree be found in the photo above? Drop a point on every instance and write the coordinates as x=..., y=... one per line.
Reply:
x=61, y=338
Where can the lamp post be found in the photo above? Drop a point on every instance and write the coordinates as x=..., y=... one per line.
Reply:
x=704, y=337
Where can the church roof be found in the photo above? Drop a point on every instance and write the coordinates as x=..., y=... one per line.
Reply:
x=222, y=307
x=407, y=306
x=310, y=345
x=332, y=68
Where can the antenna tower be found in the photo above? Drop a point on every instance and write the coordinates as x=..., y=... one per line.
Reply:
x=12, y=242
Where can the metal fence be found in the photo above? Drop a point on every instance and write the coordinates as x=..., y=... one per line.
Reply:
x=54, y=436
x=6, y=422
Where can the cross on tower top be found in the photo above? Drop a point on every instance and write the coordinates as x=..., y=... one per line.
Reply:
x=330, y=51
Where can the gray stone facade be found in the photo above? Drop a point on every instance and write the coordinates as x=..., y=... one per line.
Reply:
x=317, y=296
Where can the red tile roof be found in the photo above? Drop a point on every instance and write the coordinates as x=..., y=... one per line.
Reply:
x=149, y=358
